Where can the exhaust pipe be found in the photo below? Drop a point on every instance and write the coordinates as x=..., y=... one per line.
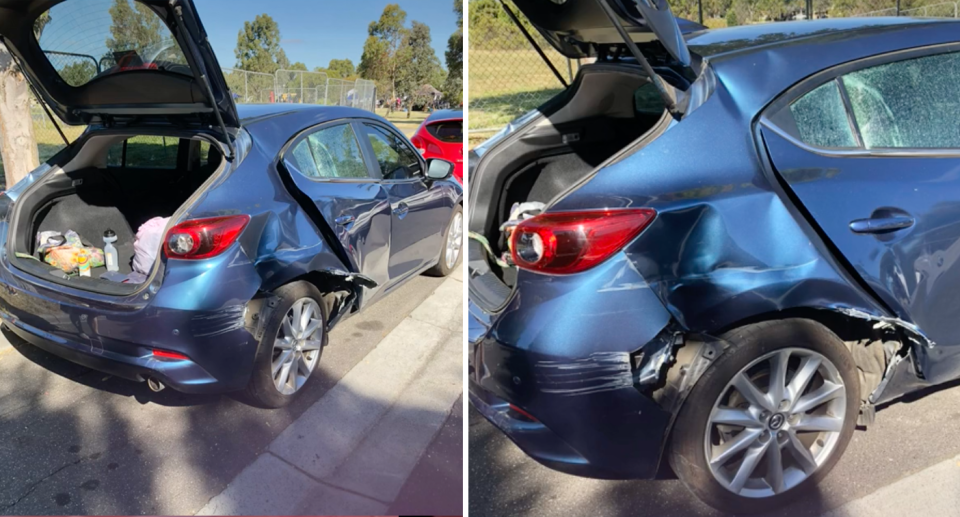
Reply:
x=155, y=385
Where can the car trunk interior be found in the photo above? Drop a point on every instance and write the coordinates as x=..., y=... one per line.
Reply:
x=609, y=107
x=113, y=183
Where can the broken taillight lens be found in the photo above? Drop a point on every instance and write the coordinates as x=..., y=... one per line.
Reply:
x=203, y=238
x=570, y=242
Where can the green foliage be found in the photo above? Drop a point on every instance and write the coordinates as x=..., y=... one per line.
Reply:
x=78, y=73
x=381, y=59
x=341, y=68
x=298, y=66
x=732, y=18
x=419, y=63
x=258, y=46
x=133, y=27
x=453, y=86
x=40, y=23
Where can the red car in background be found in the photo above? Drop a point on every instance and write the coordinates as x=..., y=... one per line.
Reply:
x=441, y=136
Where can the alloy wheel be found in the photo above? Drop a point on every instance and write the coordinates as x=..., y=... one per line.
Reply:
x=297, y=347
x=760, y=443
x=454, y=240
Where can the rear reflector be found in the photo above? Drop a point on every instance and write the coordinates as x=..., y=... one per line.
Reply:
x=562, y=243
x=203, y=238
x=163, y=354
x=523, y=413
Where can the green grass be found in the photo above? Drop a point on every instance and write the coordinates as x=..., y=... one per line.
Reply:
x=507, y=83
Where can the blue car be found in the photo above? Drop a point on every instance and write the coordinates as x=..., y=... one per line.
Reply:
x=720, y=250
x=243, y=236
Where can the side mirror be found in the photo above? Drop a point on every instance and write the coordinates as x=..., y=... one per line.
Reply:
x=438, y=169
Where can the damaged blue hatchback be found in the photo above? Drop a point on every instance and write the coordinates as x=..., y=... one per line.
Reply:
x=719, y=248
x=277, y=221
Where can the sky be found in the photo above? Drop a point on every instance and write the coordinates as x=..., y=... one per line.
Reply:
x=316, y=31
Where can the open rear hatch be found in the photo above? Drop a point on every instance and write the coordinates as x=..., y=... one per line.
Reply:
x=119, y=62
x=617, y=104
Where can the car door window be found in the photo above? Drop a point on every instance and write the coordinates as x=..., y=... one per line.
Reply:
x=906, y=103
x=332, y=152
x=397, y=160
x=822, y=119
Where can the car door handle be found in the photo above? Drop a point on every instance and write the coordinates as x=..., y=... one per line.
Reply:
x=401, y=210
x=881, y=224
x=344, y=220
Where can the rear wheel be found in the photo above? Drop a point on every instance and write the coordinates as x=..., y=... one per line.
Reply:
x=291, y=346
x=769, y=418
x=452, y=244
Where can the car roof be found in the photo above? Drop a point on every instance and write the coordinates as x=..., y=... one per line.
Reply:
x=445, y=115
x=756, y=63
x=273, y=125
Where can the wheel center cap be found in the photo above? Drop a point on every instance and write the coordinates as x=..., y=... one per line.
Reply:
x=776, y=421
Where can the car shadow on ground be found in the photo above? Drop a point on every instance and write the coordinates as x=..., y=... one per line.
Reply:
x=76, y=441
x=505, y=481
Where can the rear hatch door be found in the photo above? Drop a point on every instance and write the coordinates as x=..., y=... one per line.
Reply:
x=104, y=61
x=579, y=28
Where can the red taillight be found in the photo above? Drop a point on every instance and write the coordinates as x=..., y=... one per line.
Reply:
x=203, y=238
x=163, y=354
x=418, y=142
x=569, y=242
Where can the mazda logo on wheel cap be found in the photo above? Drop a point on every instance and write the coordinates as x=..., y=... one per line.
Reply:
x=776, y=421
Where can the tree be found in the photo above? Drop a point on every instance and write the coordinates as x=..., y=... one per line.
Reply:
x=78, y=73
x=453, y=86
x=18, y=143
x=258, y=46
x=133, y=27
x=420, y=65
x=380, y=52
x=299, y=66
x=341, y=68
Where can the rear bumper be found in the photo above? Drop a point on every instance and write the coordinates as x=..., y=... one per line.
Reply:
x=205, y=311
x=571, y=353
x=184, y=376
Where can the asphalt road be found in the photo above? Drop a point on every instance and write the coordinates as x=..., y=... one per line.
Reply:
x=75, y=441
x=908, y=437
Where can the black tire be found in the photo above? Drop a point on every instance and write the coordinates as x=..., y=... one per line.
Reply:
x=441, y=269
x=687, y=455
x=261, y=390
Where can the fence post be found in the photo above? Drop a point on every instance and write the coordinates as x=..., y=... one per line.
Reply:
x=301, y=87
x=246, y=93
x=810, y=9
x=898, y=7
x=700, y=10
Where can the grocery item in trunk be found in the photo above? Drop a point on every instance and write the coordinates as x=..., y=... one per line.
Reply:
x=47, y=240
x=147, y=245
x=110, y=252
x=67, y=257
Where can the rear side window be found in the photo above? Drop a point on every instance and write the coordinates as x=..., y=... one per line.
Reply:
x=332, y=152
x=822, y=119
x=86, y=39
x=450, y=131
x=909, y=103
x=145, y=152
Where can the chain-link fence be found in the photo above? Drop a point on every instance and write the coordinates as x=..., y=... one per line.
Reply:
x=508, y=77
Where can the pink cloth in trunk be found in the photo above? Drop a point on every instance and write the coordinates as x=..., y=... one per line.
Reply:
x=147, y=245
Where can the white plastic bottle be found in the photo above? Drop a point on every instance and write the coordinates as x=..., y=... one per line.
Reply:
x=109, y=251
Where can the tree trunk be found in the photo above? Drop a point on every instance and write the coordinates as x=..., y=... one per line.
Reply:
x=18, y=146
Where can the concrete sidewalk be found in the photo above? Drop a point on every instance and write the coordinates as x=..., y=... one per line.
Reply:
x=353, y=450
x=933, y=492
